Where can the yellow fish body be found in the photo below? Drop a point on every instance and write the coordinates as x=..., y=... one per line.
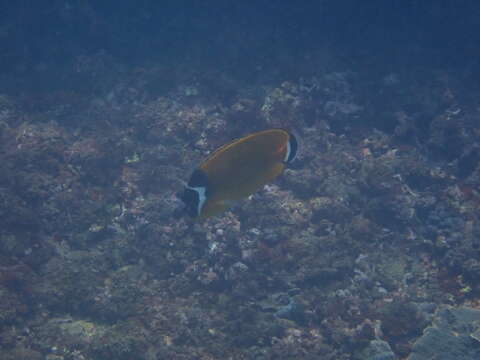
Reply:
x=237, y=170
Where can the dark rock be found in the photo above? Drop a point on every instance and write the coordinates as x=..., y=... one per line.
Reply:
x=452, y=336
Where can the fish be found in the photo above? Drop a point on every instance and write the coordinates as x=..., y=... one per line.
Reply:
x=236, y=170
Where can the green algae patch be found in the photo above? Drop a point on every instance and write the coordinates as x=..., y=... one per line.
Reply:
x=393, y=272
x=83, y=330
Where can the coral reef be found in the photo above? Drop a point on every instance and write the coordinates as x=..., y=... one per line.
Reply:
x=367, y=247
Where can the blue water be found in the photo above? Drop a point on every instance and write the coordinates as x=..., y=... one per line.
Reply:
x=366, y=247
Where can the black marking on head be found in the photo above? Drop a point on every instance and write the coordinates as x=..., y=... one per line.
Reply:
x=198, y=179
x=293, y=147
x=195, y=193
x=191, y=199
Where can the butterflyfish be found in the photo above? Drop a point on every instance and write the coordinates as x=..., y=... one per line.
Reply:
x=236, y=170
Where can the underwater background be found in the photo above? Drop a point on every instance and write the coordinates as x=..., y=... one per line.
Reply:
x=366, y=247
